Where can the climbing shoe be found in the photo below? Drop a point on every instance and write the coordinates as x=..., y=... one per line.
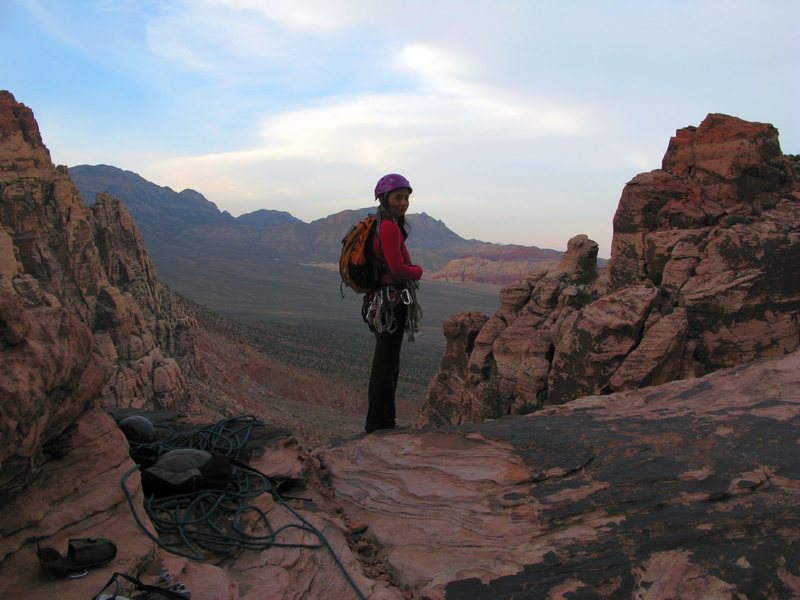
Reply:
x=82, y=554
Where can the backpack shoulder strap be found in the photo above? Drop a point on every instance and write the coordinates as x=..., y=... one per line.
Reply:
x=378, y=229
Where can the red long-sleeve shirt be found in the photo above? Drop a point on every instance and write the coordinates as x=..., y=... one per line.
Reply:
x=392, y=248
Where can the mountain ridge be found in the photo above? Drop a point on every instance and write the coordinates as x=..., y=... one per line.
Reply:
x=167, y=218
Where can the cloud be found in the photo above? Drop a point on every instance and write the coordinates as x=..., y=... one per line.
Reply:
x=447, y=76
x=247, y=41
x=468, y=143
x=435, y=67
x=302, y=16
x=444, y=109
x=50, y=23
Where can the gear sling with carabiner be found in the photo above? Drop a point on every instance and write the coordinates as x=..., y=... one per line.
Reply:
x=379, y=305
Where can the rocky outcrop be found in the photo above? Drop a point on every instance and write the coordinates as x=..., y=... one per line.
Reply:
x=701, y=277
x=82, y=315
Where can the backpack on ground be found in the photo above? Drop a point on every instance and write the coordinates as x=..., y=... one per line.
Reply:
x=359, y=268
x=185, y=471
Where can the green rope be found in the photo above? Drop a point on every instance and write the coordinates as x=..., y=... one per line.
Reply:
x=212, y=520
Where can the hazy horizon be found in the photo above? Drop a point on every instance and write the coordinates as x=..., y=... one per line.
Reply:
x=517, y=122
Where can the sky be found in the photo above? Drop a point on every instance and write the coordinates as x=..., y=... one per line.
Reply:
x=515, y=121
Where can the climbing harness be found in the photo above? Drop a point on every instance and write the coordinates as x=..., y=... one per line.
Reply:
x=379, y=308
x=221, y=520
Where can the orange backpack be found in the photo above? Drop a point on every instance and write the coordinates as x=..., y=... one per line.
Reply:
x=359, y=268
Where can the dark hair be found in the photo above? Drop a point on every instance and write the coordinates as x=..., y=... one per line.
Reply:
x=401, y=221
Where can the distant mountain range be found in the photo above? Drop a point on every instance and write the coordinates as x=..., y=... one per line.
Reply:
x=187, y=227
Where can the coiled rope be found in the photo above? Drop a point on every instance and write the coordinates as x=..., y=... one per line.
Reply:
x=213, y=520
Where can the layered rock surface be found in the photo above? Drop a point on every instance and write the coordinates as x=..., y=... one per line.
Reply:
x=701, y=277
x=80, y=494
x=684, y=490
x=481, y=270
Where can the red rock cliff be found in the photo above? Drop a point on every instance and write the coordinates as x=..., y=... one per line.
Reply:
x=82, y=315
x=702, y=276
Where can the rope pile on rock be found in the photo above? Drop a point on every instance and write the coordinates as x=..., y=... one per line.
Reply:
x=220, y=520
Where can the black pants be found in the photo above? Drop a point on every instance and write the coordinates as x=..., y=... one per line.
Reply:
x=385, y=371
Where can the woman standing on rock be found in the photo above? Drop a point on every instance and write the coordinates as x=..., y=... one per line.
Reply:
x=392, y=308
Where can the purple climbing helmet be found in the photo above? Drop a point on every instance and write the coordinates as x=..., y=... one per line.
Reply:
x=390, y=182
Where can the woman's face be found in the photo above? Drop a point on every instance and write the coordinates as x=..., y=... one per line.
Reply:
x=397, y=202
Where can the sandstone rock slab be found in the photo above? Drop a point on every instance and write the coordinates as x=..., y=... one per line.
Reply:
x=684, y=490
